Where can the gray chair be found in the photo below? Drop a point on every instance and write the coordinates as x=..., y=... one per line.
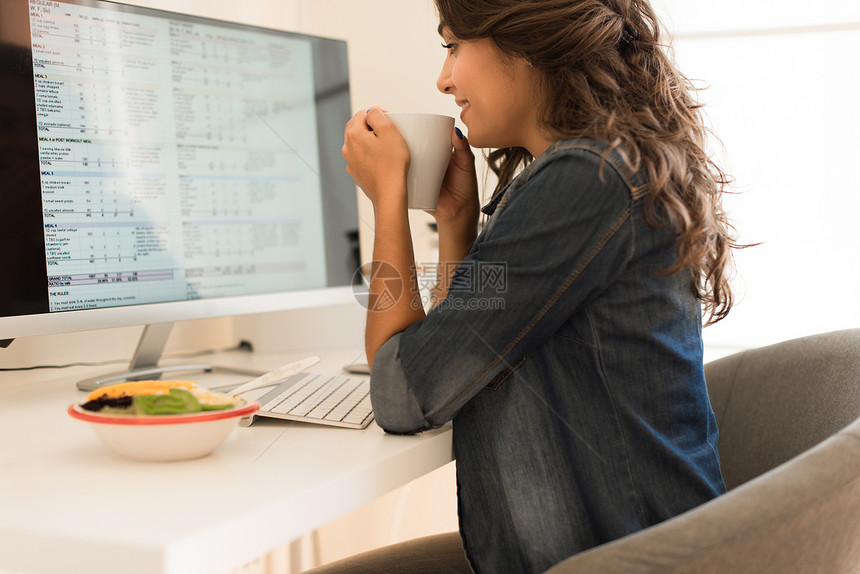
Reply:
x=789, y=420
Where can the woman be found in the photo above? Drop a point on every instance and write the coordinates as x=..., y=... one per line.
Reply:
x=567, y=346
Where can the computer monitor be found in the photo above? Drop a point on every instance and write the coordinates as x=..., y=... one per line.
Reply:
x=158, y=167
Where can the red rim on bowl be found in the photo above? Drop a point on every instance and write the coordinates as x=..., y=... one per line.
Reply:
x=76, y=412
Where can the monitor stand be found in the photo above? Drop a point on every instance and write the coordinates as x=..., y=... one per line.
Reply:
x=144, y=364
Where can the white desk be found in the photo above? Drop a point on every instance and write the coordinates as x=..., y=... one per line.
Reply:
x=69, y=505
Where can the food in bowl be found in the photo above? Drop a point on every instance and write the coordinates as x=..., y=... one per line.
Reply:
x=155, y=398
x=161, y=420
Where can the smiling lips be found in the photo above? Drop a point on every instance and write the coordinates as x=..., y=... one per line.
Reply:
x=464, y=105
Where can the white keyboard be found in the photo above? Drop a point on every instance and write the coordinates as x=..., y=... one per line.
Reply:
x=336, y=400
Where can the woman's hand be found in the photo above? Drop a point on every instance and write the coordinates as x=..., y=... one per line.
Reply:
x=456, y=213
x=378, y=160
x=377, y=156
x=458, y=198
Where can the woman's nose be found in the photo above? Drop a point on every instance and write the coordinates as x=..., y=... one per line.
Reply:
x=443, y=82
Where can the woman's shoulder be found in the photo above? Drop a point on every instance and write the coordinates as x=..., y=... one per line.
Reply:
x=575, y=166
x=585, y=157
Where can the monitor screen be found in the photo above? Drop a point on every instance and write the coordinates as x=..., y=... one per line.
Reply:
x=157, y=167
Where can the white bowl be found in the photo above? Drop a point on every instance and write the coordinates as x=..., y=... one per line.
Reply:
x=165, y=437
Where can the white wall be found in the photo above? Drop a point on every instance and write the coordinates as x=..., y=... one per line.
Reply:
x=782, y=94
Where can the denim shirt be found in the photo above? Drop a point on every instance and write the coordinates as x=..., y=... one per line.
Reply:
x=570, y=364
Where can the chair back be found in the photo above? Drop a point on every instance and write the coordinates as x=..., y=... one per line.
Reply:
x=773, y=403
x=803, y=516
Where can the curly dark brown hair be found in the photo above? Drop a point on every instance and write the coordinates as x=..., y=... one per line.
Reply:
x=606, y=73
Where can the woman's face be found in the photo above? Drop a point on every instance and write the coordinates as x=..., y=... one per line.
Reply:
x=498, y=97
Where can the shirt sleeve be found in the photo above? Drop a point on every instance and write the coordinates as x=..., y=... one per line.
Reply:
x=556, y=242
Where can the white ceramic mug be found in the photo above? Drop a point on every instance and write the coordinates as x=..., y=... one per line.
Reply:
x=429, y=139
